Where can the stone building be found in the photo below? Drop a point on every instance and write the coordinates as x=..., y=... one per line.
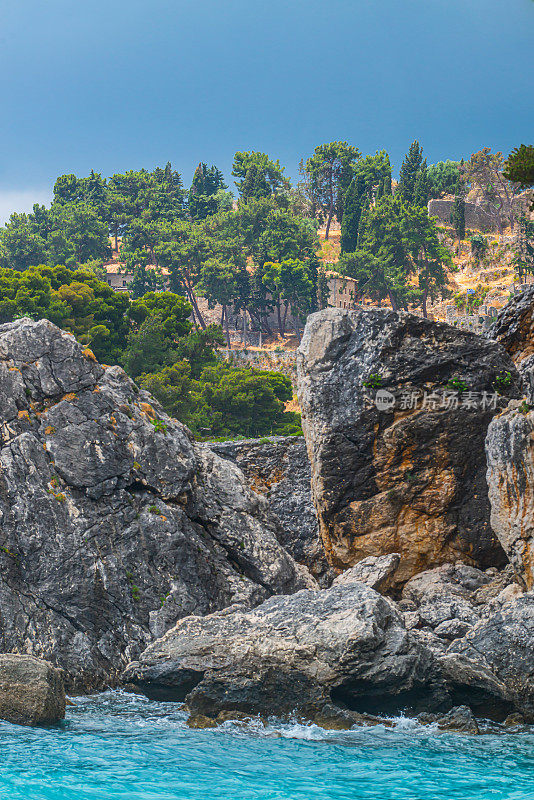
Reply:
x=119, y=279
x=342, y=290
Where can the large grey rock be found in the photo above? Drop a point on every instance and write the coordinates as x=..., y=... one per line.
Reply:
x=510, y=454
x=113, y=522
x=31, y=691
x=406, y=480
x=492, y=667
x=345, y=647
x=279, y=469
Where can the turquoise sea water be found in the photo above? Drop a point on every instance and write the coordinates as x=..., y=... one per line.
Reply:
x=116, y=745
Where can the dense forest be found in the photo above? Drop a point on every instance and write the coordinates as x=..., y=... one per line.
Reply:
x=256, y=252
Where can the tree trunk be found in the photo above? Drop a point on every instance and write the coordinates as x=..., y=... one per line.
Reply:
x=285, y=317
x=227, y=332
x=392, y=300
x=425, y=296
x=329, y=220
x=280, y=326
x=193, y=301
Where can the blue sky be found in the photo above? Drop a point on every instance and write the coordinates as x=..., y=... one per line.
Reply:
x=114, y=85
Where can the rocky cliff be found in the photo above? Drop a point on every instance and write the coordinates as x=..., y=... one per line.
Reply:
x=113, y=522
x=514, y=330
x=403, y=471
x=278, y=468
x=510, y=453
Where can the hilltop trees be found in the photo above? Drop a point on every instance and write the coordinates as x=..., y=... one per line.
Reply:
x=328, y=173
x=443, y=178
x=428, y=255
x=73, y=299
x=258, y=175
x=458, y=209
x=486, y=171
x=207, y=194
x=372, y=180
x=414, y=186
x=399, y=256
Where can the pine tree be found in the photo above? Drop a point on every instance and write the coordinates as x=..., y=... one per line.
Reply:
x=409, y=171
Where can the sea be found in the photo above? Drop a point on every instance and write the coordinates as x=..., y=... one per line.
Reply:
x=120, y=746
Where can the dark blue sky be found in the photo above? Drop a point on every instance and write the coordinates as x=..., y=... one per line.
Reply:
x=114, y=85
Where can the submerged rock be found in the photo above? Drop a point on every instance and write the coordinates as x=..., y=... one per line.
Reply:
x=314, y=653
x=31, y=691
x=337, y=656
x=400, y=478
x=460, y=719
x=113, y=522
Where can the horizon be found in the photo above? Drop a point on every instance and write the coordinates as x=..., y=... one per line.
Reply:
x=199, y=82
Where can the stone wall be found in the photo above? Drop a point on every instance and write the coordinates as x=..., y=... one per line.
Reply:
x=475, y=216
x=284, y=361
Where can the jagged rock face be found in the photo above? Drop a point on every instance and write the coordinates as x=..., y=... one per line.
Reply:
x=514, y=329
x=410, y=481
x=303, y=653
x=514, y=326
x=492, y=667
x=113, y=523
x=510, y=454
x=279, y=469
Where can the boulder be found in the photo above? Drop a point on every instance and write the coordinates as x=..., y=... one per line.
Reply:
x=492, y=667
x=114, y=523
x=398, y=472
x=510, y=476
x=376, y=572
x=31, y=691
x=314, y=653
x=442, y=602
x=278, y=468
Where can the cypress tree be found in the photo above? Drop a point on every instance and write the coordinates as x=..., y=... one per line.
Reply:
x=409, y=171
x=458, y=210
x=351, y=216
x=422, y=187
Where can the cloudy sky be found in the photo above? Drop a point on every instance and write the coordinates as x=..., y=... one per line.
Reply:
x=113, y=85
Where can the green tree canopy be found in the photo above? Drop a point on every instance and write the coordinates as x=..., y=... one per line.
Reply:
x=258, y=175
x=328, y=173
x=207, y=194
